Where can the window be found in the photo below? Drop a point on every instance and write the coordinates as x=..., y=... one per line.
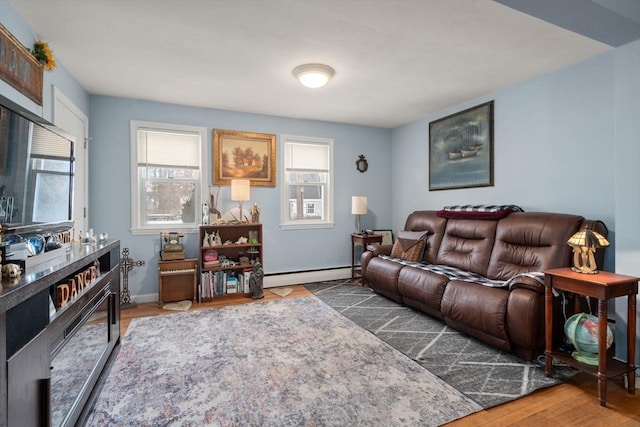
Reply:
x=51, y=177
x=167, y=172
x=307, y=192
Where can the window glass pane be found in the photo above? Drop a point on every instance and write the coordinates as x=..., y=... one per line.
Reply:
x=169, y=201
x=306, y=202
x=51, y=189
x=51, y=165
x=303, y=177
x=51, y=200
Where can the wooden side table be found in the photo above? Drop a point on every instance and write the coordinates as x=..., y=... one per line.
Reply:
x=177, y=280
x=602, y=286
x=362, y=240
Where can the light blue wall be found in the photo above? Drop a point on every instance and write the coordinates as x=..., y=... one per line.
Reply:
x=627, y=180
x=553, y=148
x=59, y=77
x=285, y=251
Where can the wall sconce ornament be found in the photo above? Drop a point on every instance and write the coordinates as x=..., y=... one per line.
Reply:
x=361, y=164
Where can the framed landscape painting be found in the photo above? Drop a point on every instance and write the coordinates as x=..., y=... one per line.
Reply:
x=244, y=155
x=461, y=149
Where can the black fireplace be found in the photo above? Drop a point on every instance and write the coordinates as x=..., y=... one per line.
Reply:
x=57, y=347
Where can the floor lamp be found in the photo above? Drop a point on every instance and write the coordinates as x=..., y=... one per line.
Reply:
x=358, y=207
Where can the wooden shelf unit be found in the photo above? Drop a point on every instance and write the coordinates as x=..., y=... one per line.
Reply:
x=231, y=251
x=602, y=286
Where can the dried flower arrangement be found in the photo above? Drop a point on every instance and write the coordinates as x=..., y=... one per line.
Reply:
x=44, y=55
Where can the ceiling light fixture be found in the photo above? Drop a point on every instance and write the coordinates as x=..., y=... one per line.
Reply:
x=313, y=75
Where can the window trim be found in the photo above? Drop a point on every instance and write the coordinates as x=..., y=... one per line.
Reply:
x=138, y=229
x=285, y=223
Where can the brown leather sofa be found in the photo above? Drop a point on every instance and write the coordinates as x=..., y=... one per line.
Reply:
x=510, y=318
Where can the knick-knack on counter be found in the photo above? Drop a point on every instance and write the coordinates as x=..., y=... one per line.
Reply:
x=255, y=214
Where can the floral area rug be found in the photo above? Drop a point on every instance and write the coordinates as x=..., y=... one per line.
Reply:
x=286, y=362
x=487, y=375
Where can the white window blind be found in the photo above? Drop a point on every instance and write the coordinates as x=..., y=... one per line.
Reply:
x=307, y=157
x=48, y=144
x=165, y=148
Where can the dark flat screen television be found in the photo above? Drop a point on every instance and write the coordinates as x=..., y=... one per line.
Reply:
x=36, y=173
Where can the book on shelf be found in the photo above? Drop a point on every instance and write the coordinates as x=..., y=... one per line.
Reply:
x=216, y=283
x=232, y=284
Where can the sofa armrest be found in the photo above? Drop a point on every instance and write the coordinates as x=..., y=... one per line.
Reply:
x=526, y=282
x=372, y=251
x=379, y=249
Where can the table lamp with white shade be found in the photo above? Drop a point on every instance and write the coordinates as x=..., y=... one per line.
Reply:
x=240, y=192
x=358, y=207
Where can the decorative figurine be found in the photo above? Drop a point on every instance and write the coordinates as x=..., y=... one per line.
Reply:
x=216, y=238
x=215, y=216
x=11, y=271
x=205, y=214
x=255, y=214
x=206, y=242
x=255, y=281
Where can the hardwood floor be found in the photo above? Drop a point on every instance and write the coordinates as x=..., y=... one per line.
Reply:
x=574, y=403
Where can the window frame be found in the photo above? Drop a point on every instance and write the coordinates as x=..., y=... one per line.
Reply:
x=201, y=191
x=285, y=222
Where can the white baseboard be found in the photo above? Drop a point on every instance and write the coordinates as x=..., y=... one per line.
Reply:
x=306, y=277
x=275, y=280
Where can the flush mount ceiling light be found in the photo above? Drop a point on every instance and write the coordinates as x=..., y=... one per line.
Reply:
x=313, y=75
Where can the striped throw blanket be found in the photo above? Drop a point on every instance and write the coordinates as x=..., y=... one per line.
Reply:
x=453, y=273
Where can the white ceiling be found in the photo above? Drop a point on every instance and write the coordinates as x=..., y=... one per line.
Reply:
x=395, y=61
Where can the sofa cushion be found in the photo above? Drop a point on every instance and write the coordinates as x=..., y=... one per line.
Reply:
x=422, y=289
x=409, y=245
x=477, y=310
x=433, y=225
x=531, y=241
x=467, y=245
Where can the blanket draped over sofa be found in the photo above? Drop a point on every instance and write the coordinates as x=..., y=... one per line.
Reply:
x=480, y=274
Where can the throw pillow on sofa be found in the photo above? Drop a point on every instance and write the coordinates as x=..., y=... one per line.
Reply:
x=409, y=245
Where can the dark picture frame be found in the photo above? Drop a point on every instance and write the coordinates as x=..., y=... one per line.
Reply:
x=244, y=155
x=461, y=149
x=387, y=236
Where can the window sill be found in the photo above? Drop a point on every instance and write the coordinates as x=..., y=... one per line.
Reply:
x=168, y=227
x=306, y=226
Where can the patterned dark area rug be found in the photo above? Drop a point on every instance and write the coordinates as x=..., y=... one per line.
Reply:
x=285, y=362
x=486, y=375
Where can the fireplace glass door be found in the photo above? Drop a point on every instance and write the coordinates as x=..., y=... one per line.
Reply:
x=73, y=362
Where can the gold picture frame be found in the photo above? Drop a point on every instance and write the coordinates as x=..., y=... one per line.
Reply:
x=245, y=155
